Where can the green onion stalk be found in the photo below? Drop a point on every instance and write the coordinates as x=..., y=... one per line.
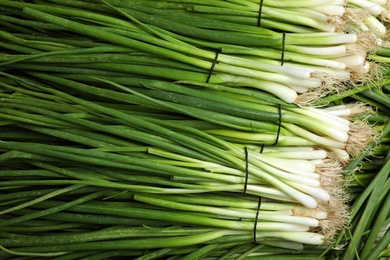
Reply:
x=167, y=39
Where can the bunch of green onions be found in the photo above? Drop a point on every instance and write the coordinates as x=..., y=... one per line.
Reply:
x=287, y=65
x=130, y=151
x=157, y=130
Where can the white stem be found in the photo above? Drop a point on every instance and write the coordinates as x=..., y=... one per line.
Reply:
x=308, y=62
x=303, y=155
x=323, y=72
x=300, y=3
x=333, y=10
x=317, y=162
x=280, y=90
x=380, y=2
x=343, y=123
x=333, y=126
x=352, y=60
x=303, y=198
x=365, y=68
x=337, y=2
x=326, y=38
x=289, y=149
x=309, y=238
x=315, y=192
x=269, y=192
x=310, y=12
x=304, y=221
x=263, y=66
x=272, y=226
x=313, y=65
x=307, y=83
x=376, y=26
x=374, y=8
x=323, y=65
x=301, y=16
x=341, y=112
x=318, y=51
x=284, y=175
x=286, y=212
x=299, y=89
x=338, y=107
x=304, y=166
x=276, y=207
x=298, y=167
x=341, y=154
x=330, y=129
x=363, y=27
x=326, y=142
x=297, y=247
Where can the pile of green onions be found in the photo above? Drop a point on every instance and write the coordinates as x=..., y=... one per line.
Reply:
x=293, y=66
x=183, y=129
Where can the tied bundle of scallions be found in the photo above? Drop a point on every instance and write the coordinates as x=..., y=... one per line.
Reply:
x=293, y=66
x=132, y=146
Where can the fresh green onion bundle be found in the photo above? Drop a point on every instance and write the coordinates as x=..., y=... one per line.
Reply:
x=284, y=64
x=320, y=16
x=73, y=221
x=220, y=155
x=237, y=116
x=54, y=138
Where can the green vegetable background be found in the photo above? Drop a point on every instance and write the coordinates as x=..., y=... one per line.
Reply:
x=194, y=129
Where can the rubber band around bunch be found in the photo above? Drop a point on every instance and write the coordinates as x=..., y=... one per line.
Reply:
x=246, y=170
x=283, y=46
x=262, y=148
x=256, y=219
x=279, y=125
x=259, y=14
x=217, y=52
